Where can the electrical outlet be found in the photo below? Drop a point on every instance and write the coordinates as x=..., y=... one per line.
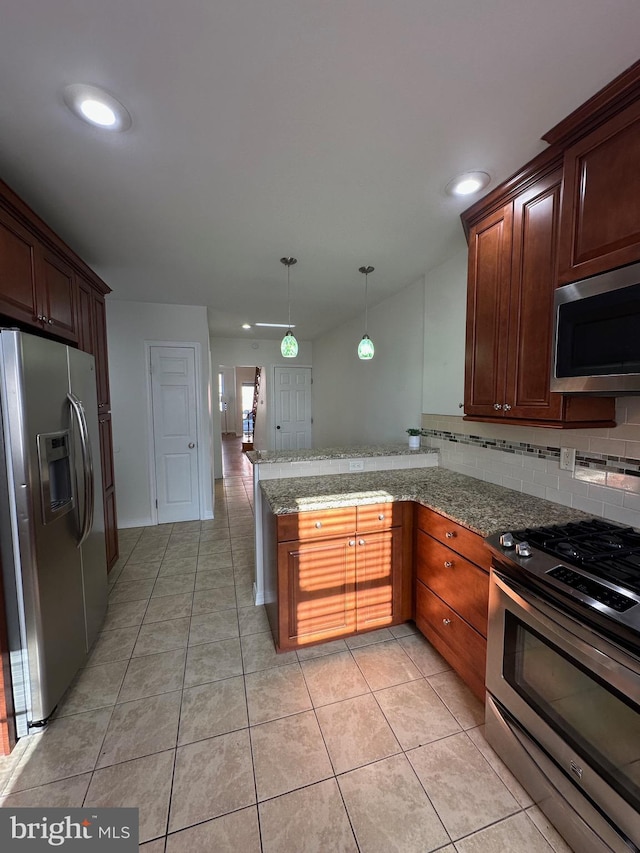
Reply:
x=356, y=465
x=567, y=458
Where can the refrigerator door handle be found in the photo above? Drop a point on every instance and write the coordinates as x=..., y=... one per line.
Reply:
x=87, y=467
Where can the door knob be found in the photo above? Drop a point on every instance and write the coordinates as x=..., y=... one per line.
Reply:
x=191, y=445
x=278, y=427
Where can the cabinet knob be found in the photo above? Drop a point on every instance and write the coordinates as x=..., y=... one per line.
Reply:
x=361, y=542
x=448, y=564
x=50, y=321
x=450, y=534
x=446, y=621
x=507, y=407
x=352, y=542
x=497, y=406
x=318, y=525
x=381, y=517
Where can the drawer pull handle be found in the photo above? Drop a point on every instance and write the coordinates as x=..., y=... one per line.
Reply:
x=381, y=517
x=318, y=524
x=448, y=564
x=450, y=534
x=446, y=621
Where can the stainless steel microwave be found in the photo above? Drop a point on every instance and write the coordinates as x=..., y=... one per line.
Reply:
x=596, y=335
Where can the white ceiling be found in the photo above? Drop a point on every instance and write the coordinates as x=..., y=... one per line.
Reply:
x=324, y=129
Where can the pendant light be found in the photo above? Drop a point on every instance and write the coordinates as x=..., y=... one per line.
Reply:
x=289, y=345
x=365, y=347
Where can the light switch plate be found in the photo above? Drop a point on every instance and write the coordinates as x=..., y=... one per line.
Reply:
x=356, y=465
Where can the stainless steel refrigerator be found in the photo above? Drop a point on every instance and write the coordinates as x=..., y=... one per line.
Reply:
x=52, y=542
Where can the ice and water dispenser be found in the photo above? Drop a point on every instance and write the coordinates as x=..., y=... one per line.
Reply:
x=54, y=456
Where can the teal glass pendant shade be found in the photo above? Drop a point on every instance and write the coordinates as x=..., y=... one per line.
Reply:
x=366, y=348
x=289, y=345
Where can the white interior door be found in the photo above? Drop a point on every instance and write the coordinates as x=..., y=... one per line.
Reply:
x=292, y=410
x=173, y=391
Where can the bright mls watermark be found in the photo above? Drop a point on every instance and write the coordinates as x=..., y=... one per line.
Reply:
x=80, y=830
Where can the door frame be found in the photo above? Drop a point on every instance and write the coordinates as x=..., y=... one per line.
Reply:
x=202, y=432
x=272, y=400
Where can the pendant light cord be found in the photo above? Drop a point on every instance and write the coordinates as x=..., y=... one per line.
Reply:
x=289, y=293
x=366, y=303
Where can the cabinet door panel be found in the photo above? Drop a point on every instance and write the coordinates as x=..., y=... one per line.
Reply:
x=533, y=281
x=17, y=271
x=86, y=324
x=100, y=352
x=459, y=583
x=601, y=205
x=457, y=642
x=455, y=536
x=316, y=591
x=488, y=313
x=379, y=516
x=106, y=451
x=110, y=528
x=57, y=293
x=317, y=524
x=378, y=579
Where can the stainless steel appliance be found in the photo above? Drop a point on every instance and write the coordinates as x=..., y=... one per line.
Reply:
x=51, y=518
x=596, y=345
x=563, y=676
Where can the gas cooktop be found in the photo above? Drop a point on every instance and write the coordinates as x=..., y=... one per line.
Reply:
x=589, y=567
x=603, y=549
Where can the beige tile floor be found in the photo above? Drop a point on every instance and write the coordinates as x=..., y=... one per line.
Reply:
x=185, y=711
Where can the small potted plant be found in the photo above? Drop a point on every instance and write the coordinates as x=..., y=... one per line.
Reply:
x=414, y=438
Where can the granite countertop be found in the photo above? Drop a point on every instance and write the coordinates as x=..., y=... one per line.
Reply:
x=482, y=507
x=321, y=453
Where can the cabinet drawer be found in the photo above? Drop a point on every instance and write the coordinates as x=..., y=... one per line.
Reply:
x=319, y=523
x=457, y=642
x=454, y=536
x=378, y=516
x=459, y=583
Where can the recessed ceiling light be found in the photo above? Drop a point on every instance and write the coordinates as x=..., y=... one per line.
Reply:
x=277, y=325
x=97, y=107
x=246, y=326
x=467, y=183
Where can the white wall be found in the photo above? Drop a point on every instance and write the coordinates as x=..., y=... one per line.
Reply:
x=248, y=352
x=444, y=336
x=368, y=402
x=129, y=325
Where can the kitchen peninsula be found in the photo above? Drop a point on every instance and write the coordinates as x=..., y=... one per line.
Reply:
x=277, y=464
x=347, y=553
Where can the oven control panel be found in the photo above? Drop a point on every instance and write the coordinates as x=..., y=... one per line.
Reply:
x=594, y=590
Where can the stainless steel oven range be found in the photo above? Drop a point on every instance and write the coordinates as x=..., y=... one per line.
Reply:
x=563, y=676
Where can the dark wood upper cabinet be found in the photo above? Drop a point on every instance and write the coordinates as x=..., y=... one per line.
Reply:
x=601, y=207
x=57, y=295
x=18, y=248
x=489, y=284
x=511, y=282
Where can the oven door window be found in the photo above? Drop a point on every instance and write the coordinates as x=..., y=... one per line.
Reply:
x=600, y=725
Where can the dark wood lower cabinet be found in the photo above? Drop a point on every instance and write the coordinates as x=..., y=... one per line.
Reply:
x=458, y=643
x=452, y=593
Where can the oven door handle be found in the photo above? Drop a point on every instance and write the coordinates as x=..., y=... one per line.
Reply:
x=513, y=588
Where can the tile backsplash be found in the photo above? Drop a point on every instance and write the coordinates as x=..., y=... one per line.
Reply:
x=606, y=479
